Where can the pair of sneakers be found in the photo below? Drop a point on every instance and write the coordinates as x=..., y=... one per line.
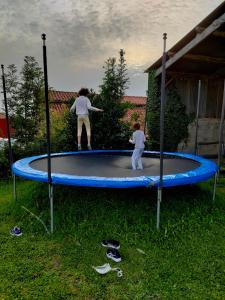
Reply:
x=112, y=251
x=79, y=147
x=16, y=231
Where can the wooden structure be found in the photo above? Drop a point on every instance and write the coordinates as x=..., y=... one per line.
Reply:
x=200, y=56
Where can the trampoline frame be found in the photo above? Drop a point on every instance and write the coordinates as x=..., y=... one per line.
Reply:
x=205, y=171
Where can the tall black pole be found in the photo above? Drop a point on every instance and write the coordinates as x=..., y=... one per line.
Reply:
x=7, y=118
x=47, y=108
x=48, y=128
x=162, y=108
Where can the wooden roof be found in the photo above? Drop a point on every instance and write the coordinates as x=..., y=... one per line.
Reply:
x=201, y=52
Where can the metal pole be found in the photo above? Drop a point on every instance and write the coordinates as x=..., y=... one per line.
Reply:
x=214, y=187
x=197, y=116
x=163, y=79
x=221, y=129
x=159, y=199
x=14, y=187
x=7, y=119
x=48, y=128
x=50, y=187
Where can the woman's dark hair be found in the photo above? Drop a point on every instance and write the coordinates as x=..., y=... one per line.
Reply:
x=83, y=92
x=137, y=126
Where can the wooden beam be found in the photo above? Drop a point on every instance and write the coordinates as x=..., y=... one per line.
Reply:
x=187, y=74
x=204, y=58
x=199, y=38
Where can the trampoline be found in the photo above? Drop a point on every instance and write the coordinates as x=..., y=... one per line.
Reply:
x=112, y=169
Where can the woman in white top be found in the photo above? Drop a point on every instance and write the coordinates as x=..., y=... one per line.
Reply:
x=138, y=140
x=82, y=104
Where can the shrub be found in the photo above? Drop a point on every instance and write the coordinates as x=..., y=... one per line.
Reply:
x=175, y=120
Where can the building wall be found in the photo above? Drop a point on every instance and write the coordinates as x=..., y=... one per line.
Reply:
x=3, y=128
x=210, y=100
x=208, y=131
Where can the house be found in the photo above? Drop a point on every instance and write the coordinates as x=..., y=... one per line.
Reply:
x=60, y=99
x=3, y=126
x=198, y=60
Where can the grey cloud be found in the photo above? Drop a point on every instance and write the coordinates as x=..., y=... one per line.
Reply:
x=81, y=35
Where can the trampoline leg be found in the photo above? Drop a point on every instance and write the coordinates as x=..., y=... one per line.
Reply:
x=159, y=199
x=50, y=187
x=14, y=187
x=214, y=186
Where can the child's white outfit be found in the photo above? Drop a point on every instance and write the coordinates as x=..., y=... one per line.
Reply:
x=138, y=139
x=82, y=104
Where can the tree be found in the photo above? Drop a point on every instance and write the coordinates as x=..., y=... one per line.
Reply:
x=25, y=99
x=109, y=130
x=175, y=119
x=153, y=112
x=12, y=84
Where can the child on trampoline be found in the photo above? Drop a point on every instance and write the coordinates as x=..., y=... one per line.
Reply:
x=82, y=104
x=138, y=140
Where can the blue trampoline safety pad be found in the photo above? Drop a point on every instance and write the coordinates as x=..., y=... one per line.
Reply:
x=112, y=169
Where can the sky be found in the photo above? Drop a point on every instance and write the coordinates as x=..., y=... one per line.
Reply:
x=83, y=34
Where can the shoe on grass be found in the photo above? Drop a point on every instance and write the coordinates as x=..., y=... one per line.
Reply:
x=113, y=254
x=16, y=231
x=111, y=244
x=79, y=147
x=89, y=147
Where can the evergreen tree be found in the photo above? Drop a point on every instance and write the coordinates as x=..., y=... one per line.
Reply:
x=25, y=98
x=123, y=79
x=175, y=119
x=12, y=84
x=153, y=112
x=109, y=131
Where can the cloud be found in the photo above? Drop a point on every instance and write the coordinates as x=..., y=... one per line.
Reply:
x=81, y=35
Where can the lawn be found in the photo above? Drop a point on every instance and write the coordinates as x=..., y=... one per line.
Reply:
x=185, y=259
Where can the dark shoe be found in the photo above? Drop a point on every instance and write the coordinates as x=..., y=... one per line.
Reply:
x=16, y=231
x=113, y=254
x=111, y=244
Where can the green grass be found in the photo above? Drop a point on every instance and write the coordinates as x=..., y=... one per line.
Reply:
x=185, y=259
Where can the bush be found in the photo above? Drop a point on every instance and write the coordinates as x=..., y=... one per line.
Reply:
x=175, y=120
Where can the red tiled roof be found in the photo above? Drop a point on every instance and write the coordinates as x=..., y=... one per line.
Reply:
x=61, y=96
x=137, y=100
